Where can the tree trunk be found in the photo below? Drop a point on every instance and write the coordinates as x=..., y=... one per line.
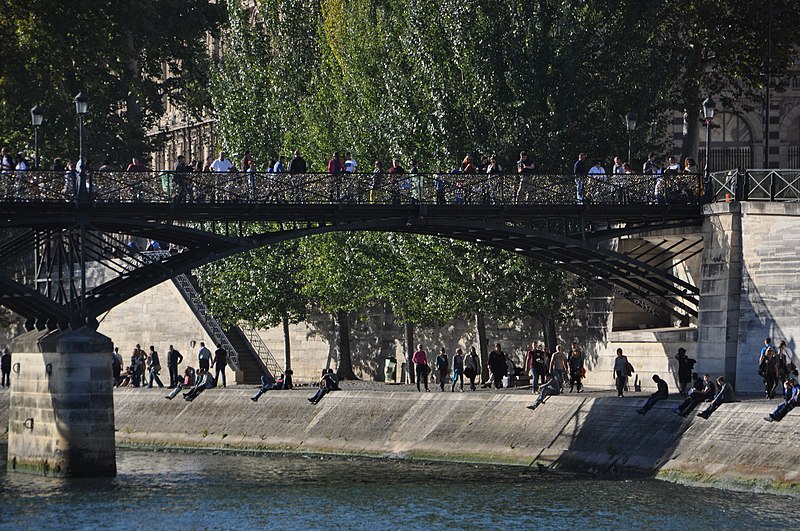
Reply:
x=549, y=331
x=480, y=324
x=287, y=347
x=345, y=369
x=692, y=102
x=409, y=339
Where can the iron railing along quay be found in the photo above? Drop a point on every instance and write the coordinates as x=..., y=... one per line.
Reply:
x=358, y=188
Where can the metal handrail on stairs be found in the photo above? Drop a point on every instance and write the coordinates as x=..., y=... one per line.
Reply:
x=208, y=321
x=263, y=351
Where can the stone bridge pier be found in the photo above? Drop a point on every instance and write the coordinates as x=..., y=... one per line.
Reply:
x=750, y=286
x=61, y=418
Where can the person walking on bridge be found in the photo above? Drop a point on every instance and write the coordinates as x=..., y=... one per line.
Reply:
x=220, y=362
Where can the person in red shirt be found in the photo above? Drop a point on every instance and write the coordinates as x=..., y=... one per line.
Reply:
x=420, y=360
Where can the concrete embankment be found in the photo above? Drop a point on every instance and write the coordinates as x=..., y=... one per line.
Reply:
x=736, y=448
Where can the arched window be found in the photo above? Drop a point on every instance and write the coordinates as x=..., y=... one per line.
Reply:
x=731, y=143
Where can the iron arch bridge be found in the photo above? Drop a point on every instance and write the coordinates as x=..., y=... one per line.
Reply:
x=66, y=257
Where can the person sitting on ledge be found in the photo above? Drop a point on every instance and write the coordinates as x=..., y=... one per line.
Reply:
x=552, y=387
x=188, y=381
x=269, y=384
x=725, y=395
x=329, y=382
x=793, y=393
x=205, y=381
x=662, y=393
x=696, y=396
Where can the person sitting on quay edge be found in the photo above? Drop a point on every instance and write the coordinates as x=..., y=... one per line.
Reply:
x=662, y=393
x=551, y=388
x=791, y=402
x=706, y=392
x=329, y=382
x=205, y=382
x=185, y=383
x=725, y=395
x=270, y=384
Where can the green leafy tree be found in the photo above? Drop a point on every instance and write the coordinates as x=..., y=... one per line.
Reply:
x=128, y=57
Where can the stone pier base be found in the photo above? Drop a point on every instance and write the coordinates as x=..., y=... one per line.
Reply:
x=61, y=419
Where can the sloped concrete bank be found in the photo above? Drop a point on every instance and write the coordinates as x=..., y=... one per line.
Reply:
x=736, y=448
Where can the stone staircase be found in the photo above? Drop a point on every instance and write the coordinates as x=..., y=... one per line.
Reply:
x=241, y=354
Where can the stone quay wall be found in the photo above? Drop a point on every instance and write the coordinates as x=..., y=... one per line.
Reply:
x=735, y=448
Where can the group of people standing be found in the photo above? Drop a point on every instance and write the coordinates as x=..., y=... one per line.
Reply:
x=460, y=366
x=145, y=368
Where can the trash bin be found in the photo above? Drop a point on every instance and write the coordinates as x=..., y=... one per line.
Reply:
x=390, y=370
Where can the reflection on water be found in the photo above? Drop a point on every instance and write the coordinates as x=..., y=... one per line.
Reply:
x=201, y=491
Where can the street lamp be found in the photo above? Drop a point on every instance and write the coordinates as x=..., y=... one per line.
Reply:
x=708, y=114
x=630, y=123
x=37, y=115
x=81, y=108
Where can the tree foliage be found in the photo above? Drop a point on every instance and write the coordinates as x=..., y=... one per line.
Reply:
x=129, y=57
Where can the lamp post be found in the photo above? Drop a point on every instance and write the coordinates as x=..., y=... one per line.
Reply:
x=81, y=108
x=708, y=114
x=630, y=123
x=37, y=115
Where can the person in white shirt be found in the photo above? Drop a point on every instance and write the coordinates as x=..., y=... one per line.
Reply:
x=350, y=165
x=222, y=164
x=597, y=182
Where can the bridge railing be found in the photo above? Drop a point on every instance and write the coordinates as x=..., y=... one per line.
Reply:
x=358, y=188
x=755, y=185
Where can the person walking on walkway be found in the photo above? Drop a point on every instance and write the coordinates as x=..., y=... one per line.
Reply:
x=154, y=365
x=622, y=369
x=204, y=357
x=662, y=393
x=5, y=368
x=420, y=361
x=498, y=366
x=575, y=363
x=685, y=368
x=472, y=366
x=458, y=370
x=768, y=369
x=442, y=367
x=559, y=366
x=174, y=358
x=220, y=362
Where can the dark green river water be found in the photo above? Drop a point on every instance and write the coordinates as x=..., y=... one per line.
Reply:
x=177, y=491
